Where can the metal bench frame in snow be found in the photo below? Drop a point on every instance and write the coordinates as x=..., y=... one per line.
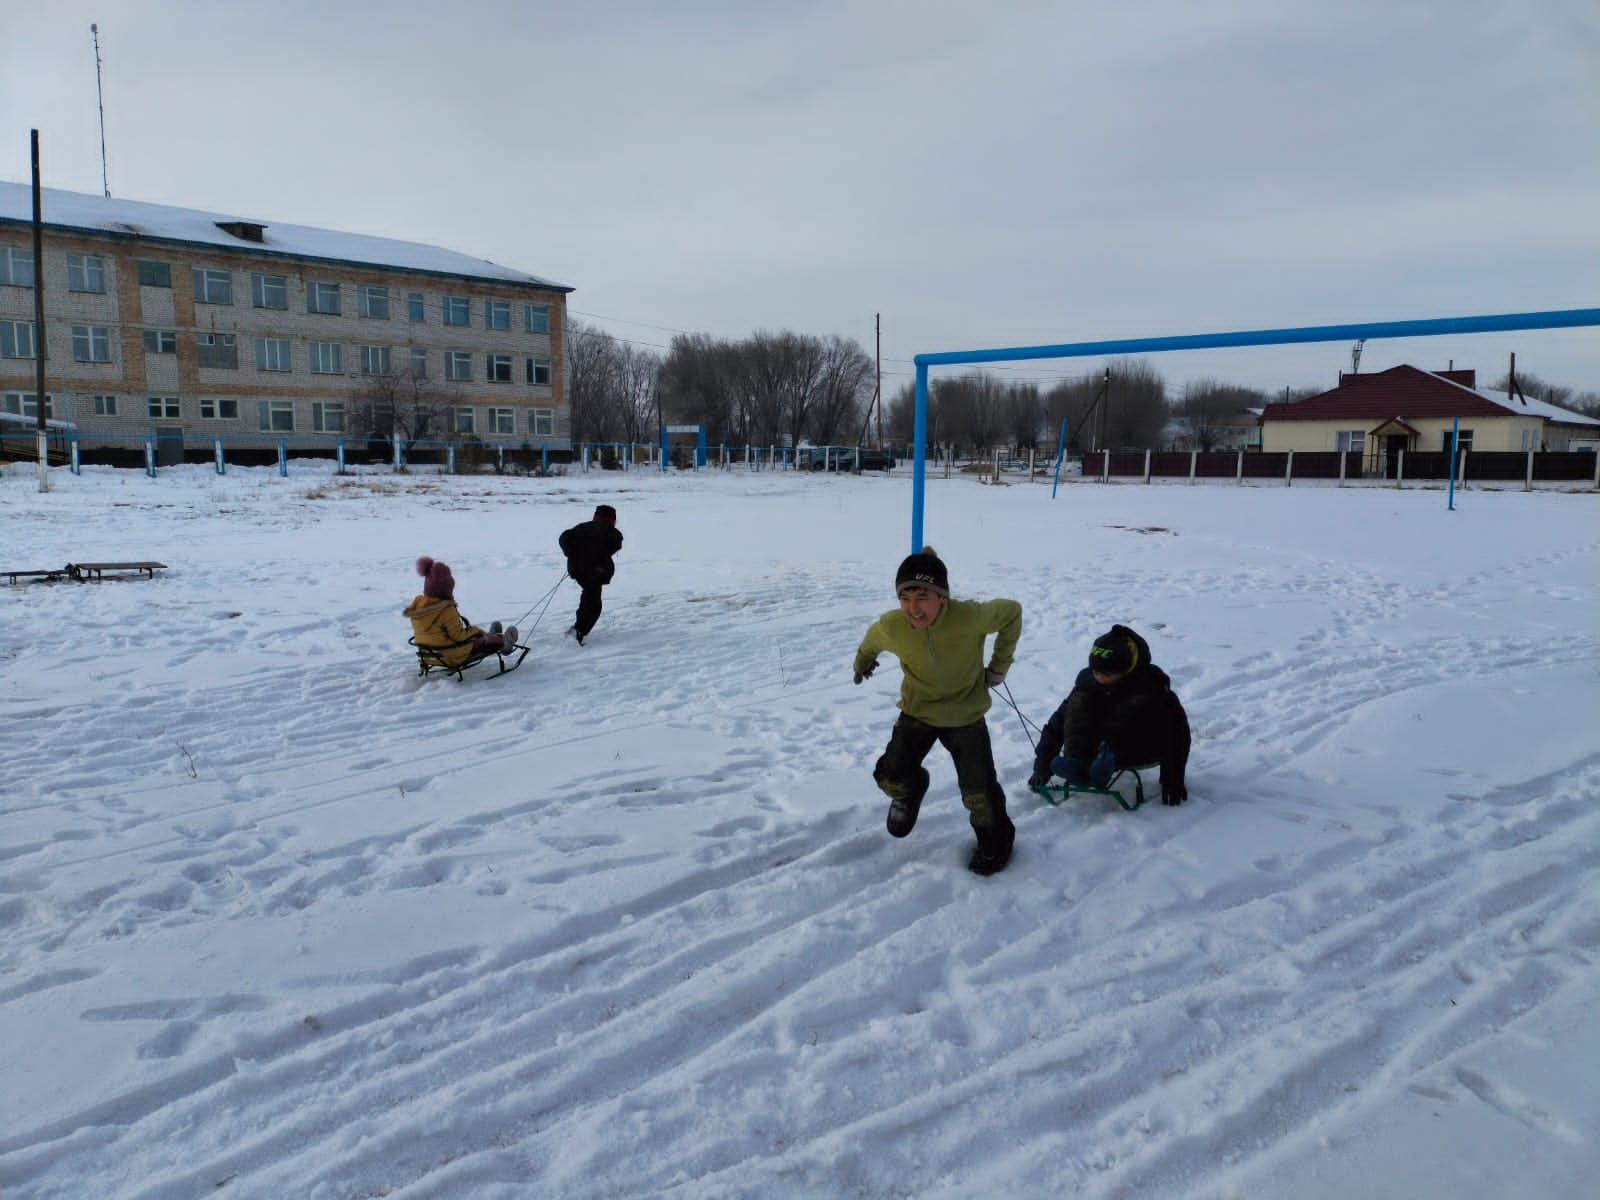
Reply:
x=1056, y=793
x=432, y=658
x=89, y=572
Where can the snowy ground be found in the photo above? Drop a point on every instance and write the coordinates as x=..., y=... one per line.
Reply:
x=281, y=919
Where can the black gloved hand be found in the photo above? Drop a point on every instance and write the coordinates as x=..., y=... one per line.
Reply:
x=1173, y=791
x=866, y=671
x=1040, y=777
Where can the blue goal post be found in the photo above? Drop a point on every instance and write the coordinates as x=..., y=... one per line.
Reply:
x=1568, y=318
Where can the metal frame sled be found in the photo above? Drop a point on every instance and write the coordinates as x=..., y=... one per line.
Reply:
x=431, y=658
x=1056, y=793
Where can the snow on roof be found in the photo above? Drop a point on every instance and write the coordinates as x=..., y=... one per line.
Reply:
x=102, y=214
x=1537, y=408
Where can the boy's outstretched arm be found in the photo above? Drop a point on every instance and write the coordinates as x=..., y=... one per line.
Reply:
x=1005, y=621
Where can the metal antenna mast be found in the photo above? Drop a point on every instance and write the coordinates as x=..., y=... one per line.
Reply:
x=101, y=96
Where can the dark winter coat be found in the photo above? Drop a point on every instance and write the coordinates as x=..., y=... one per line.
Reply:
x=589, y=548
x=1139, y=717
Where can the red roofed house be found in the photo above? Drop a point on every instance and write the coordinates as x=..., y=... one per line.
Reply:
x=1405, y=408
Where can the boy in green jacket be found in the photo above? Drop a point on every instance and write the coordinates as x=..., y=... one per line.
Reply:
x=944, y=692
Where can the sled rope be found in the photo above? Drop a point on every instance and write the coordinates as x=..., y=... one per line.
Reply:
x=1029, y=729
x=542, y=603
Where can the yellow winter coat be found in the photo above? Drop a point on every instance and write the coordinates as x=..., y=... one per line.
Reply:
x=438, y=623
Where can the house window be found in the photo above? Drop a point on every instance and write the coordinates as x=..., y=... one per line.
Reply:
x=539, y=371
x=26, y=404
x=456, y=310
x=86, y=273
x=165, y=408
x=1530, y=439
x=327, y=417
x=105, y=406
x=218, y=350
x=499, y=366
x=373, y=301
x=214, y=409
x=16, y=339
x=497, y=314
x=542, y=422
x=275, y=416
x=322, y=298
x=1351, y=441
x=212, y=286
x=503, y=420
x=461, y=420
x=1463, y=442
x=160, y=341
x=272, y=354
x=374, y=360
x=457, y=364
x=536, y=318
x=155, y=274
x=327, y=358
x=419, y=363
x=91, y=343
x=16, y=268
x=414, y=307
x=269, y=291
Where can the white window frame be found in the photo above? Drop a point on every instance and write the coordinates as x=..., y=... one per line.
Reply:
x=17, y=340
x=456, y=310
x=150, y=277
x=327, y=416
x=497, y=314
x=541, y=422
x=274, y=354
x=26, y=404
x=16, y=267
x=86, y=273
x=458, y=366
x=222, y=348
x=375, y=360
x=497, y=368
x=212, y=285
x=419, y=362
x=372, y=301
x=91, y=344
x=164, y=408
x=536, y=318
x=416, y=308
x=322, y=298
x=219, y=408
x=160, y=341
x=1351, y=441
x=501, y=421
x=104, y=406
x=269, y=291
x=463, y=419
x=325, y=358
x=539, y=371
x=1463, y=440
x=275, y=416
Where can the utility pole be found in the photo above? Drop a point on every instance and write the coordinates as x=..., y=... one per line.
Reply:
x=38, y=319
x=877, y=388
x=101, y=97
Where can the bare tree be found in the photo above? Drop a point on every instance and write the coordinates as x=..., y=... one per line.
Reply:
x=1207, y=408
x=406, y=405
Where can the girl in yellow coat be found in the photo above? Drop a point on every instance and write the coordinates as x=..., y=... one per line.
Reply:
x=944, y=693
x=437, y=622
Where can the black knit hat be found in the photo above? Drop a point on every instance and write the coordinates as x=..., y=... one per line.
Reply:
x=604, y=512
x=1113, y=653
x=923, y=569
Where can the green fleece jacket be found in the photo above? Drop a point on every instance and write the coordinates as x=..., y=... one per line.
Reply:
x=942, y=666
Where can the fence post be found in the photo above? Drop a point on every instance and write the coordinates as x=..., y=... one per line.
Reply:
x=216, y=454
x=338, y=454
x=1238, y=470
x=74, y=464
x=1194, y=460
x=398, y=460
x=544, y=457
x=1147, y=454
x=1288, y=471
x=1400, y=469
x=283, y=457
x=449, y=458
x=1344, y=459
x=149, y=455
x=1527, y=478
x=1462, y=475
x=1105, y=466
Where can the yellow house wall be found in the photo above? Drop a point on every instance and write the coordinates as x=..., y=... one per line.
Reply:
x=1488, y=433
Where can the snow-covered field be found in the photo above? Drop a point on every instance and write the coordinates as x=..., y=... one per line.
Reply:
x=282, y=920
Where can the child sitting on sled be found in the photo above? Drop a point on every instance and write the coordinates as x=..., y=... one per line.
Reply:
x=437, y=623
x=1121, y=712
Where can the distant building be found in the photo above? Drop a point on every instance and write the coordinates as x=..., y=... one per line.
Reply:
x=167, y=320
x=1405, y=408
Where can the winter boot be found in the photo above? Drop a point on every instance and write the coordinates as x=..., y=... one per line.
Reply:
x=494, y=627
x=510, y=636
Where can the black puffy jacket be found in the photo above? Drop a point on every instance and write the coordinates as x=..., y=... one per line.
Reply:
x=589, y=548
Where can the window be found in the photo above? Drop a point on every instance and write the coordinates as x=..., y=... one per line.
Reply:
x=1464, y=442
x=499, y=366
x=502, y=420
x=91, y=343
x=1530, y=439
x=457, y=364
x=460, y=420
x=16, y=268
x=213, y=409
x=275, y=416
x=327, y=417
x=327, y=358
x=419, y=363
x=212, y=286
x=414, y=309
x=86, y=273
x=373, y=301
x=269, y=291
x=322, y=298
x=536, y=318
x=26, y=404
x=1351, y=441
x=160, y=341
x=542, y=422
x=539, y=371
x=105, y=406
x=16, y=339
x=155, y=274
x=497, y=314
x=374, y=360
x=165, y=408
x=455, y=309
x=272, y=354
x=218, y=350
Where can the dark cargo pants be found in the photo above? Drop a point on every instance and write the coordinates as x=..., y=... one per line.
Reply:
x=901, y=776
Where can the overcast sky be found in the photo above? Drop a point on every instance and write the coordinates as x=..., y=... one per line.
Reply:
x=981, y=175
